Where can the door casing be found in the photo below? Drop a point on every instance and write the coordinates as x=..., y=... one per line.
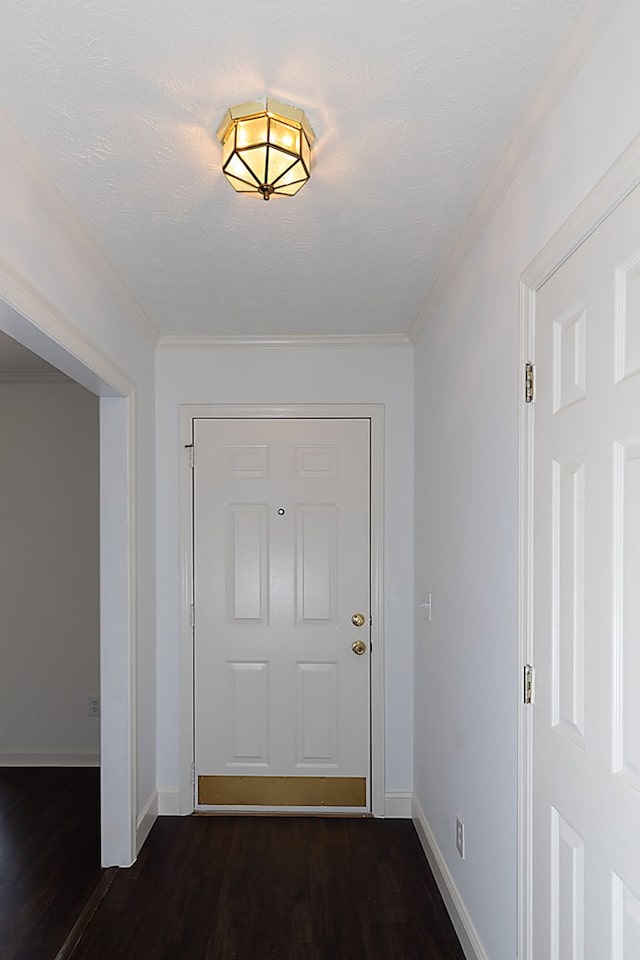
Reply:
x=375, y=414
x=609, y=192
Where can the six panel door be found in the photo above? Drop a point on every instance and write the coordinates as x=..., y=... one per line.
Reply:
x=586, y=611
x=281, y=566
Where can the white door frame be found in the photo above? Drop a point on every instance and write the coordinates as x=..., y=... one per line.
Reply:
x=39, y=326
x=368, y=411
x=608, y=193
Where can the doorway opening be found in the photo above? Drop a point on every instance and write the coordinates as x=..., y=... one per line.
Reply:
x=49, y=588
x=50, y=624
x=83, y=367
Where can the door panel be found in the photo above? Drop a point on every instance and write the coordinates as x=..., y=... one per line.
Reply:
x=316, y=564
x=316, y=717
x=247, y=585
x=247, y=710
x=586, y=604
x=281, y=563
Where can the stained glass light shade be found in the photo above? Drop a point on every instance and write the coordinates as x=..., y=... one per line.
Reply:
x=266, y=148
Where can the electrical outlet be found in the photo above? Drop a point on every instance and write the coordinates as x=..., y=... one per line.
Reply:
x=460, y=836
x=94, y=706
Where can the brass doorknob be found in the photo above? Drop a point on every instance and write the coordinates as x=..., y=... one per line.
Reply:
x=358, y=647
x=357, y=619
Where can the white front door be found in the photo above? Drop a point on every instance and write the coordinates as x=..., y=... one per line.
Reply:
x=586, y=603
x=281, y=572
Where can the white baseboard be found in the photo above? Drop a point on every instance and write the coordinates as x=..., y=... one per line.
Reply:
x=467, y=934
x=146, y=819
x=49, y=758
x=397, y=803
x=169, y=801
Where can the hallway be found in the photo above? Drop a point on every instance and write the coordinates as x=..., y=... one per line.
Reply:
x=292, y=888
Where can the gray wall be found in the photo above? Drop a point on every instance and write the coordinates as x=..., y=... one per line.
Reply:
x=49, y=572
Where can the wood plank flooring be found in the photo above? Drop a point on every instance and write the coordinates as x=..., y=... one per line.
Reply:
x=259, y=888
x=49, y=856
x=211, y=888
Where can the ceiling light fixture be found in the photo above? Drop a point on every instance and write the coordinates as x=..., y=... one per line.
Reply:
x=266, y=148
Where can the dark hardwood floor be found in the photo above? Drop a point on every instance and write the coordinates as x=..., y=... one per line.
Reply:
x=210, y=888
x=291, y=888
x=49, y=856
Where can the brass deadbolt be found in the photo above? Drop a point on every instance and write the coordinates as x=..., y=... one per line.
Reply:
x=358, y=619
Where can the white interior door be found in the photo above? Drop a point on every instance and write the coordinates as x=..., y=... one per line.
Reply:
x=281, y=566
x=586, y=603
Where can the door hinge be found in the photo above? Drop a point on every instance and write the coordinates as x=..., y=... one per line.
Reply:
x=192, y=616
x=193, y=776
x=529, y=677
x=190, y=448
x=529, y=382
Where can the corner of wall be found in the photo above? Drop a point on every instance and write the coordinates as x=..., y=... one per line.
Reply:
x=169, y=802
x=397, y=803
x=146, y=819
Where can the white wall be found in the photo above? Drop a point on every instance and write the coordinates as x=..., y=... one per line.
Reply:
x=81, y=319
x=468, y=388
x=291, y=375
x=49, y=572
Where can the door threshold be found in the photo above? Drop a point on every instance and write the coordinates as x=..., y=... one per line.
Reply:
x=282, y=813
x=68, y=948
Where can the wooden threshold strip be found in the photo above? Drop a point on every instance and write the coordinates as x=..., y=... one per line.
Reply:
x=87, y=914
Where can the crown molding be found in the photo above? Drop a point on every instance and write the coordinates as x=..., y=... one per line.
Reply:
x=590, y=22
x=302, y=340
x=61, y=211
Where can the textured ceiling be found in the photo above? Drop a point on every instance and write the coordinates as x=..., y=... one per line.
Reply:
x=412, y=103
